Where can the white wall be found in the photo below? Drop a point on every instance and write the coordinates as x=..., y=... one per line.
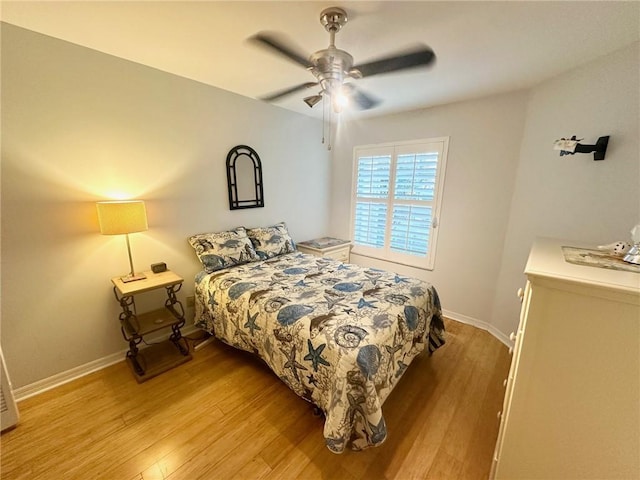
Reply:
x=78, y=126
x=505, y=184
x=485, y=137
x=574, y=197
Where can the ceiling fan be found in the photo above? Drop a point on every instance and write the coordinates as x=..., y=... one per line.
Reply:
x=332, y=67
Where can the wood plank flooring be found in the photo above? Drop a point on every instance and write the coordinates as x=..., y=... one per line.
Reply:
x=224, y=415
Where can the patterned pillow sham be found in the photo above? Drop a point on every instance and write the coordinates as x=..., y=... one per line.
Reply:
x=271, y=241
x=223, y=249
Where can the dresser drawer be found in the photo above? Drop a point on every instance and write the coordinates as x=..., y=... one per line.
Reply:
x=341, y=254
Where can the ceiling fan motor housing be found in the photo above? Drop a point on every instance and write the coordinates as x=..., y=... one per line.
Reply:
x=333, y=19
x=331, y=66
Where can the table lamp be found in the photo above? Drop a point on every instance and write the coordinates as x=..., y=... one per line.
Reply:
x=123, y=217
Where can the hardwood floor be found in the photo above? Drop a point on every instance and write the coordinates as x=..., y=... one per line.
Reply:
x=224, y=415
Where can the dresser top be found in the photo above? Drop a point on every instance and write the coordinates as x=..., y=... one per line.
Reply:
x=547, y=260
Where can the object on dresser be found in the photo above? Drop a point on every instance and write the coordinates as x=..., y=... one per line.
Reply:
x=616, y=248
x=597, y=258
x=633, y=255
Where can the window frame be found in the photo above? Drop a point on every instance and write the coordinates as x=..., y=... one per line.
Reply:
x=394, y=149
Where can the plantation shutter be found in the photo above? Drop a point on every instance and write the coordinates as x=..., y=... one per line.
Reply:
x=372, y=194
x=397, y=189
x=415, y=181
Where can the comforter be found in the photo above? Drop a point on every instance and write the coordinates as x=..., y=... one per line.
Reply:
x=339, y=335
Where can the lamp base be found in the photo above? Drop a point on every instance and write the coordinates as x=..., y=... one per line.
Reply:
x=132, y=277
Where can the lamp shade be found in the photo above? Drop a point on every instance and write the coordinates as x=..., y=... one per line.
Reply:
x=119, y=217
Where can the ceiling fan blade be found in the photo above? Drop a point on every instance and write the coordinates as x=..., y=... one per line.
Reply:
x=282, y=93
x=415, y=58
x=272, y=42
x=363, y=100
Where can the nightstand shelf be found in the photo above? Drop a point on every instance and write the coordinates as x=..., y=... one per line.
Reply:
x=329, y=247
x=148, y=322
x=156, y=358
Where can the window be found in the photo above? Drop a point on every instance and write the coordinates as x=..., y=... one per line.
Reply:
x=396, y=198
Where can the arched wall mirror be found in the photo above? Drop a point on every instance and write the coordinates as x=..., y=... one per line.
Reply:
x=244, y=178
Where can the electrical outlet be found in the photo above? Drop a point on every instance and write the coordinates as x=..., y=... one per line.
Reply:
x=191, y=301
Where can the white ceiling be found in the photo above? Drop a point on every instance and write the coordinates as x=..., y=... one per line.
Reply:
x=482, y=47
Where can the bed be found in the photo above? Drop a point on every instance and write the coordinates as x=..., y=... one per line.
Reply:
x=339, y=335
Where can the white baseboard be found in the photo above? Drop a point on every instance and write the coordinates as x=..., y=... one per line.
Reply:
x=58, y=379
x=479, y=324
x=61, y=378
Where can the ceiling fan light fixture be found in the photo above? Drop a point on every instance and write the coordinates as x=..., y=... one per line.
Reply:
x=312, y=100
x=339, y=100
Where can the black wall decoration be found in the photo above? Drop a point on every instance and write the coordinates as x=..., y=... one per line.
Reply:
x=244, y=178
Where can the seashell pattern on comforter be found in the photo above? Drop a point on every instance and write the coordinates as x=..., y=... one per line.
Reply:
x=339, y=335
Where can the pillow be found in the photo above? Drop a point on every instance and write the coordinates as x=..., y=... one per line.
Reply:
x=271, y=241
x=223, y=249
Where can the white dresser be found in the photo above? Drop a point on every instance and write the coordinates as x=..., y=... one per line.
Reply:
x=572, y=400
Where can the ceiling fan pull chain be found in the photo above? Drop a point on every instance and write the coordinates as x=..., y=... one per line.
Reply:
x=324, y=109
x=329, y=125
